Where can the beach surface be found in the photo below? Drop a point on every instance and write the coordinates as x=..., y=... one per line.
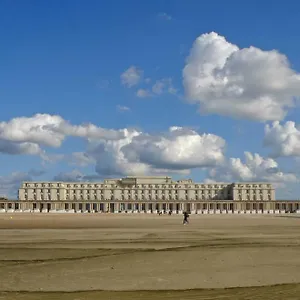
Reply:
x=143, y=256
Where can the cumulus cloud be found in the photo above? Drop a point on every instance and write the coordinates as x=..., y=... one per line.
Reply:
x=115, y=152
x=284, y=140
x=131, y=76
x=39, y=129
x=253, y=168
x=244, y=83
x=177, y=150
x=15, y=148
x=26, y=135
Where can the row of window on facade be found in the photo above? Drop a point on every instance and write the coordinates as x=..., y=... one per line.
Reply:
x=156, y=197
x=164, y=194
x=254, y=197
x=257, y=191
x=122, y=191
x=136, y=197
x=130, y=188
x=172, y=186
x=197, y=193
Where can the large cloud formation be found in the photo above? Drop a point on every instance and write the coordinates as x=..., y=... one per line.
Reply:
x=114, y=152
x=178, y=150
x=284, y=140
x=26, y=135
x=244, y=83
x=253, y=168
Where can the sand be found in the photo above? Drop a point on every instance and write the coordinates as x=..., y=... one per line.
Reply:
x=93, y=256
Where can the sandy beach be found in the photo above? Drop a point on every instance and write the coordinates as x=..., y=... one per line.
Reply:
x=90, y=256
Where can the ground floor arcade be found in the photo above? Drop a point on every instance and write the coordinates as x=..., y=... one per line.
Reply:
x=211, y=207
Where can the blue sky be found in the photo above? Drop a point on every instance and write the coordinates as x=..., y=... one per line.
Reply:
x=66, y=59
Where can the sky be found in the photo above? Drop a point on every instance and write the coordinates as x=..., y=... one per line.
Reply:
x=190, y=89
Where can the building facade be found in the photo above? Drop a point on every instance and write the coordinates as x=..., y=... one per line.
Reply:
x=146, y=188
x=148, y=194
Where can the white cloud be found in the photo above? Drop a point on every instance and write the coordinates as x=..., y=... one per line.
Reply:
x=245, y=83
x=122, y=108
x=142, y=93
x=131, y=76
x=178, y=150
x=124, y=151
x=254, y=168
x=284, y=140
x=39, y=129
x=13, y=148
x=88, y=131
x=26, y=135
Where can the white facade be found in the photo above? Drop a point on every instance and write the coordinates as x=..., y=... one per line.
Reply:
x=145, y=188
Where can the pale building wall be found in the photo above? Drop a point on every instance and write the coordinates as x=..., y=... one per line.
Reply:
x=146, y=189
x=253, y=191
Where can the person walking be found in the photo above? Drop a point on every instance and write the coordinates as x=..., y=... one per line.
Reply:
x=185, y=218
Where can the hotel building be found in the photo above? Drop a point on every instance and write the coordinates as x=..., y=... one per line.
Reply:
x=148, y=194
